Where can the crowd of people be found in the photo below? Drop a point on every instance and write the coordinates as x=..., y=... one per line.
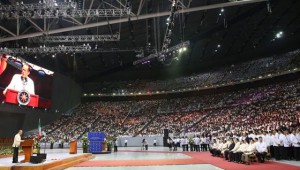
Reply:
x=234, y=73
x=264, y=108
x=229, y=123
x=282, y=144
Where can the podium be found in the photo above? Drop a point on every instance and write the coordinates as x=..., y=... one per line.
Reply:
x=96, y=142
x=103, y=146
x=27, y=146
x=73, y=147
x=11, y=97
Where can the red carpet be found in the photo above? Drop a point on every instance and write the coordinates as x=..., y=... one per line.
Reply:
x=197, y=158
x=220, y=162
x=140, y=162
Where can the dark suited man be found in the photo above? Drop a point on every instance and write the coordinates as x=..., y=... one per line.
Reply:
x=16, y=144
x=231, y=146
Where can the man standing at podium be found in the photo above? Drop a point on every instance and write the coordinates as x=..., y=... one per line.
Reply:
x=21, y=81
x=16, y=144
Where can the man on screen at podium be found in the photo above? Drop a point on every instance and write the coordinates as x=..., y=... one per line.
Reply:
x=21, y=82
x=16, y=144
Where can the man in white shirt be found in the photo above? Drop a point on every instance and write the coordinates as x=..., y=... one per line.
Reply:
x=286, y=144
x=213, y=147
x=234, y=150
x=261, y=148
x=16, y=144
x=197, y=144
x=236, y=155
x=21, y=81
x=125, y=142
x=296, y=144
x=249, y=150
x=276, y=144
x=281, y=138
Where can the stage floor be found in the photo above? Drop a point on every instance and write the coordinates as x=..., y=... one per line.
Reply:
x=52, y=155
x=157, y=158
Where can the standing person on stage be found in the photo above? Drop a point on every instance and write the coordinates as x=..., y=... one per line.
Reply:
x=145, y=144
x=21, y=81
x=154, y=142
x=115, y=146
x=16, y=144
x=126, y=141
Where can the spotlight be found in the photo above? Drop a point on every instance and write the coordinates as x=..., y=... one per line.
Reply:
x=279, y=34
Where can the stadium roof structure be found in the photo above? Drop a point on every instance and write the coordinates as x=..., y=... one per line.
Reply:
x=114, y=34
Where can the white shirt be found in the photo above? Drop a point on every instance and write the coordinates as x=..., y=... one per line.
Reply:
x=236, y=147
x=126, y=141
x=294, y=140
x=275, y=140
x=267, y=139
x=17, y=140
x=17, y=84
x=185, y=141
x=243, y=147
x=197, y=141
x=261, y=147
x=280, y=137
x=284, y=140
x=251, y=148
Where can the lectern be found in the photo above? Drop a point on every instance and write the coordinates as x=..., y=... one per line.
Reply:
x=27, y=146
x=103, y=146
x=11, y=97
x=73, y=147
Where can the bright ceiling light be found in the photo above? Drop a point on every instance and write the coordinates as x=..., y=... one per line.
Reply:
x=279, y=34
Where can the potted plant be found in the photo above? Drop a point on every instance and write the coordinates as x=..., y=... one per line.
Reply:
x=85, y=144
x=108, y=145
x=191, y=143
x=36, y=146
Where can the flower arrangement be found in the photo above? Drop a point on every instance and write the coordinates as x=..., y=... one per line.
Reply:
x=6, y=151
x=85, y=144
x=36, y=146
x=191, y=141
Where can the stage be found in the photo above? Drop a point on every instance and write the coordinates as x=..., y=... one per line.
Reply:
x=56, y=159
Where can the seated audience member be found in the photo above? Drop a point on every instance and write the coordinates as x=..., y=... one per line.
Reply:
x=214, y=147
x=230, y=147
x=219, y=149
x=236, y=147
x=261, y=148
x=250, y=150
x=236, y=156
x=224, y=147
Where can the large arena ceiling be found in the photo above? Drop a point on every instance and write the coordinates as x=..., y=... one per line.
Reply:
x=241, y=32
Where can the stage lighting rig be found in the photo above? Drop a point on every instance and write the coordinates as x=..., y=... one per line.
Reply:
x=163, y=55
x=170, y=24
x=43, y=49
x=75, y=38
x=56, y=10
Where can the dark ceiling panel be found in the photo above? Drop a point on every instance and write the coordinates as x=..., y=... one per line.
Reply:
x=247, y=34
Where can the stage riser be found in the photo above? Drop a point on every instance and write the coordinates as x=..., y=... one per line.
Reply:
x=55, y=165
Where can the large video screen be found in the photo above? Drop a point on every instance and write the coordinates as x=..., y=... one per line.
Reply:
x=24, y=83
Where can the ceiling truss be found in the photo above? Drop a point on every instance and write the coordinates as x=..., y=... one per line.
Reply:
x=134, y=17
